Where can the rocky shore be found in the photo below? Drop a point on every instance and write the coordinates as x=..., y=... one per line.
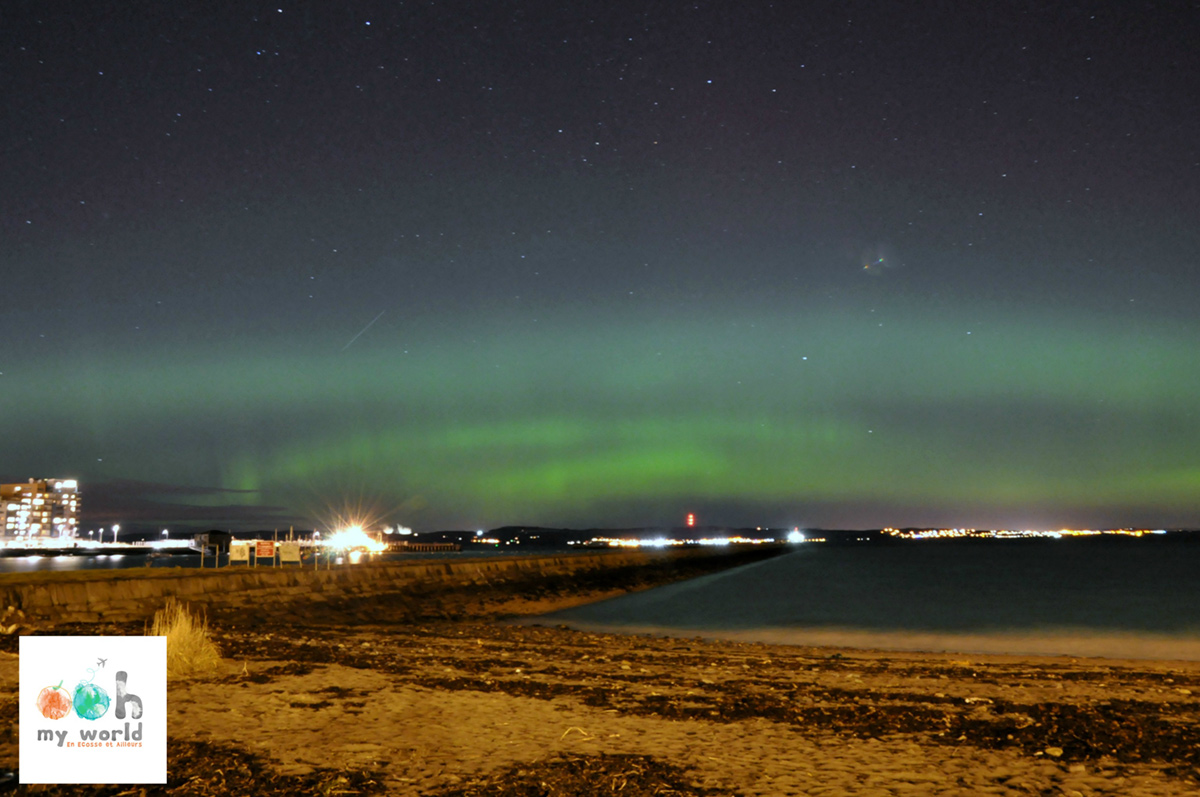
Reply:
x=456, y=702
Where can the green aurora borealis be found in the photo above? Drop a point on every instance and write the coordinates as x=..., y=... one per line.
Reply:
x=806, y=418
x=465, y=265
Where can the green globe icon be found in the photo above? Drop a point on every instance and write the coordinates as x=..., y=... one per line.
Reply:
x=91, y=702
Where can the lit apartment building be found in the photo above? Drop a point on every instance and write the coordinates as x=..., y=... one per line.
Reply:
x=40, y=508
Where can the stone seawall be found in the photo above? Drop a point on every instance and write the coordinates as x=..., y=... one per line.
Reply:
x=135, y=594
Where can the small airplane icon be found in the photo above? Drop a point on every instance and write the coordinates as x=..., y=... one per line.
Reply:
x=100, y=662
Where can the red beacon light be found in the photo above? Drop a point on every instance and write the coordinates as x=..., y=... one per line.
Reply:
x=691, y=520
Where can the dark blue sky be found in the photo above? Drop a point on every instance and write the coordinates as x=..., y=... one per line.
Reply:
x=463, y=264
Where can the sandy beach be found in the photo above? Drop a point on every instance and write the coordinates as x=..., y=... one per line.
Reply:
x=471, y=705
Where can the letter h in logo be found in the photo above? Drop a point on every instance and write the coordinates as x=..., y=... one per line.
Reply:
x=123, y=697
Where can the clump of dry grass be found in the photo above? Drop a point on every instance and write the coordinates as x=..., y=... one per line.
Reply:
x=191, y=651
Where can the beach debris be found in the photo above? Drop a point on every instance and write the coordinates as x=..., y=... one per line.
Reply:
x=12, y=621
x=203, y=769
x=704, y=683
x=572, y=775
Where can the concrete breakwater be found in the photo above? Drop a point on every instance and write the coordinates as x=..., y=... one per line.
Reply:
x=135, y=594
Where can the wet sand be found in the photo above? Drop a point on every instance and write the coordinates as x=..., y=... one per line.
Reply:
x=1063, y=642
x=437, y=706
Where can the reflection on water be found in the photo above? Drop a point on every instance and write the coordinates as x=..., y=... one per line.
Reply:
x=33, y=564
x=30, y=564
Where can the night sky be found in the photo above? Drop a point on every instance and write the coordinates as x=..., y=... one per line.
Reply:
x=467, y=264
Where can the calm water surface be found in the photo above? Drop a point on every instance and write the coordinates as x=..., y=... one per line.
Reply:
x=1114, y=597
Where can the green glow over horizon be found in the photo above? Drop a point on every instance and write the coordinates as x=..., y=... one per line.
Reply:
x=821, y=409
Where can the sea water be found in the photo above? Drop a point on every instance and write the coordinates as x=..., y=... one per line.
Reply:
x=1112, y=597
